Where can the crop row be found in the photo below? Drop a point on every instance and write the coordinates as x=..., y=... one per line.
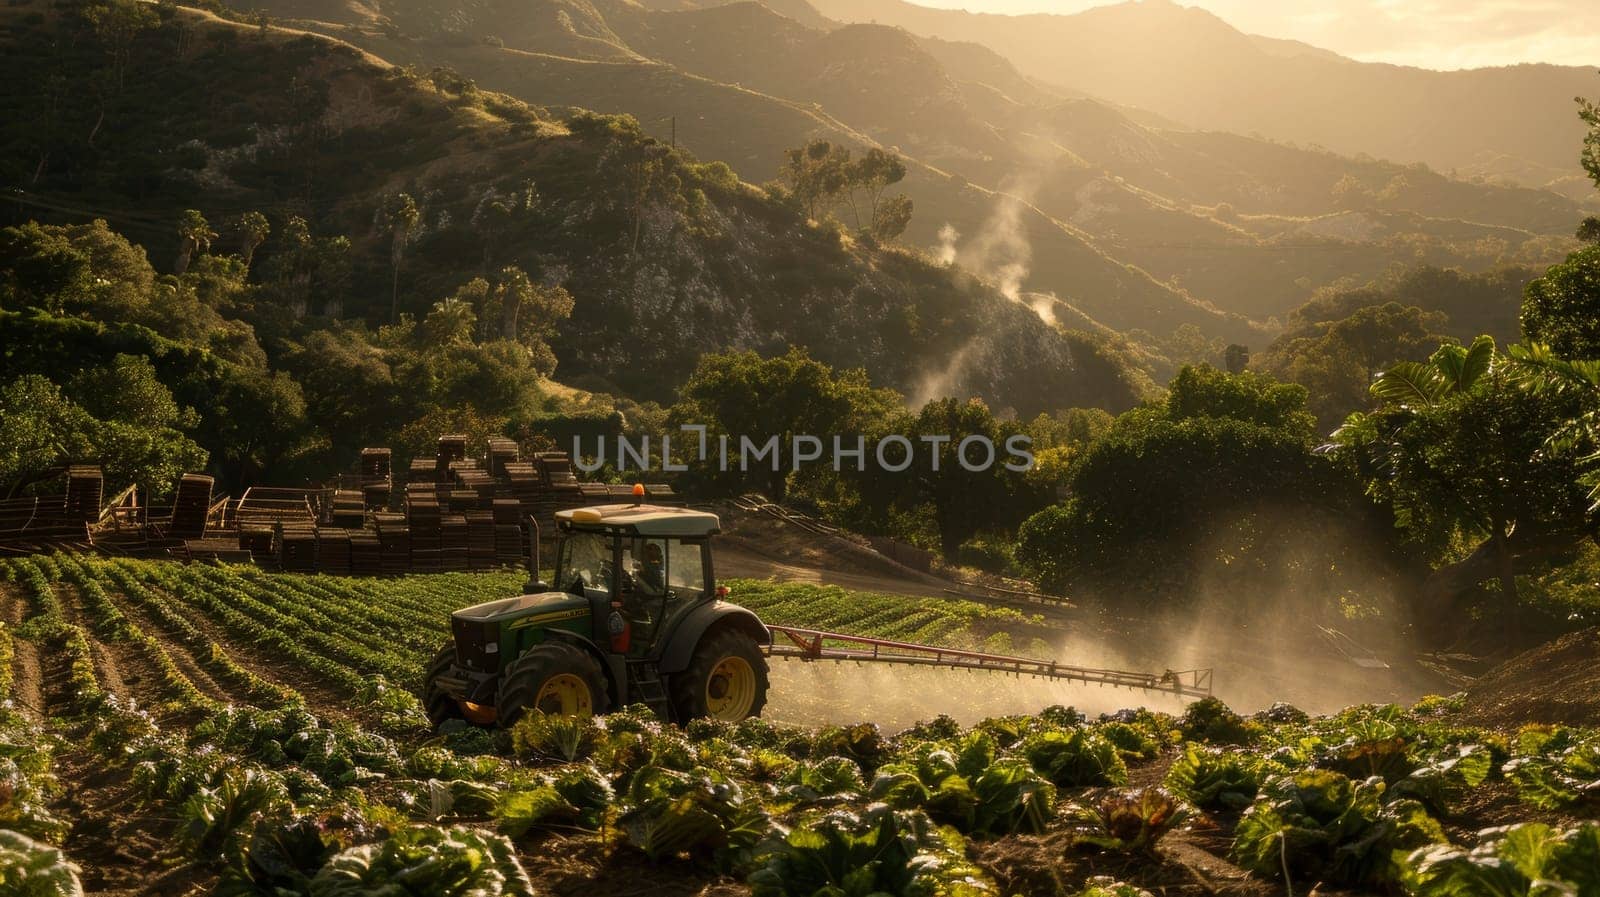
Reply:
x=950, y=622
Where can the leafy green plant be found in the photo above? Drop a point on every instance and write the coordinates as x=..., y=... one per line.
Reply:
x=426, y=861
x=552, y=737
x=1514, y=861
x=864, y=743
x=213, y=819
x=280, y=859
x=1127, y=820
x=31, y=869
x=670, y=813
x=968, y=788
x=1076, y=758
x=578, y=796
x=1556, y=768
x=1216, y=778
x=878, y=852
x=1319, y=824
x=1105, y=886
x=811, y=782
x=1209, y=720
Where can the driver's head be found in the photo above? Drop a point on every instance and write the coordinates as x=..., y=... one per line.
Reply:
x=652, y=554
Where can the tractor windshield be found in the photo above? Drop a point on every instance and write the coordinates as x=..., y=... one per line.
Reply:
x=583, y=565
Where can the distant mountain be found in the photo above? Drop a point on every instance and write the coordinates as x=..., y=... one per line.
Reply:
x=1189, y=65
x=1128, y=217
x=666, y=257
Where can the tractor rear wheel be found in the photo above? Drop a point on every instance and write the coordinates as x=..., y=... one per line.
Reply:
x=441, y=707
x=556, y=678
x=726, y=680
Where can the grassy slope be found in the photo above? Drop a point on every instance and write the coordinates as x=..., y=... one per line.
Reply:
x=286, y=122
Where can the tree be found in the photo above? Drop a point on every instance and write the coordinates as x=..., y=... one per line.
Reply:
x=1562, y=308
x=117, y=24
x=1589, y=230
x=871, y=175
x=1337, y=360
x=891, y=218
x=399, y=218
x=40, y=265
x=966, y=502
x=817, y=174
x=1461, y=453
x=1590, y=113
x=1235, y=358
x=253, y=229
x=194, y=235
x=449, y=323
x=1218, y=487
x=742, y=395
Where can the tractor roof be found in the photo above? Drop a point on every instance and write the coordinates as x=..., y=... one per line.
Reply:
x=643, y=520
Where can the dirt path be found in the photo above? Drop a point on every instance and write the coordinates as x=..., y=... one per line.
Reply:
x=325, y=700
x=26, y=676
x=182, y=657
x=123, y=668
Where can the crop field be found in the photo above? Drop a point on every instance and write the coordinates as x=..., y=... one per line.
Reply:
x=178, y=729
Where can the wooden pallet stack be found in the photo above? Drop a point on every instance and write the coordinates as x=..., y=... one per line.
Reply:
x=375, y=463
x=480, y=540
x=451, y=449
x=394, y=543
x=502, y=451
x=453, y=547
x=423, y=517
x=349, y=509
x=423, y=470
x=85, y=492
x=366, y=553
x=296, y=546
x=257, y=540
x=508, y=547
x=190, y=506
x=333, y=550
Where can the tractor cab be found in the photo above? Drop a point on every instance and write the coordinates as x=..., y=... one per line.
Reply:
x=650, y=576
x=633, y=615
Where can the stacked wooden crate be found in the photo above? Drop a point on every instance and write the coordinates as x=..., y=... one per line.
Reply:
x=502, y=451
x=423, y=516
x=256, y=539
x=349, y=509
x=451, y=449
x=366, y=554
x=190, y=506
x=453, y=548
x=508, y=547
x=394, y=543
x=333, y=550
x=85, y=492
x=297, y=546
x=480, y=540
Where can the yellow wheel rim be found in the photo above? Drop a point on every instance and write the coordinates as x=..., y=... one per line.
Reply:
x=565, y=695
x=731, y=689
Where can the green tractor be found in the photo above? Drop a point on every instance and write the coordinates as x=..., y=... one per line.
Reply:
x=634, y=616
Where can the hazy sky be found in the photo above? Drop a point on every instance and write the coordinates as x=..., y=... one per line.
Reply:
x=1430, y=33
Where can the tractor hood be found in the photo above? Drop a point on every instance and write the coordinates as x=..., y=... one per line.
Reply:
x=551, y=606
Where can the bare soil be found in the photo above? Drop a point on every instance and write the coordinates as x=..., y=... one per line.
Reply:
x=1555, y=683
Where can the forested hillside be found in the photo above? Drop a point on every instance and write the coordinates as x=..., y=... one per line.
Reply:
x=1125, y=216
x=664, y=256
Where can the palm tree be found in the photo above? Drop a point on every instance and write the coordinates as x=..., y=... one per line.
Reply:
x=194, y=235
x=450, y=322
x=400, y=218
x=253, y=231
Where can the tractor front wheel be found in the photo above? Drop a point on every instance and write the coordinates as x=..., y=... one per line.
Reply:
x=726, y=680
x=440, y=706
x=556, y=678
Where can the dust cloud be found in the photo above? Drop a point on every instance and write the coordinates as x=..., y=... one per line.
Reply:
x=813, y=693
x=1288, y=638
